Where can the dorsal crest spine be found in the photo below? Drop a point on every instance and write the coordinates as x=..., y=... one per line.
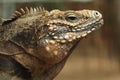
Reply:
x=26, y=12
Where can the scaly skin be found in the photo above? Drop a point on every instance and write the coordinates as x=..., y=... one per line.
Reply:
x=36, y=43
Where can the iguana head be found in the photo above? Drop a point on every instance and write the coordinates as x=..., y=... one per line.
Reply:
x=67, y=26
x=65, y=29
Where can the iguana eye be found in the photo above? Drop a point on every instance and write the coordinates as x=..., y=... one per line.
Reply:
x=72, y=18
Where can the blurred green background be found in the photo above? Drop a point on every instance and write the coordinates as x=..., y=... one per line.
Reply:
x=97, y=57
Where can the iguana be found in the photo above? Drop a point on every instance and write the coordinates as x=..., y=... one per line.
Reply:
x=35, y=43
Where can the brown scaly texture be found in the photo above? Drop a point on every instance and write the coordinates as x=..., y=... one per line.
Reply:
x=35, y=43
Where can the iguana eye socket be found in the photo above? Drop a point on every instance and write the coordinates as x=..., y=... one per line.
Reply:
x=72, y=17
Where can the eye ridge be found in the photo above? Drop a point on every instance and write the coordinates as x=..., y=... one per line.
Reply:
x=72, y=18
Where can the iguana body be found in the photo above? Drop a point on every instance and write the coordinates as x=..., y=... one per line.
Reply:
x=35, y=43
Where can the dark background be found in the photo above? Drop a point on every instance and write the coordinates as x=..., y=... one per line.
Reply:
x=97, y=57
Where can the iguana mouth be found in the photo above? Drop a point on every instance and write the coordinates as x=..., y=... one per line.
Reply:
x=65, y=34
x=89, y=26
